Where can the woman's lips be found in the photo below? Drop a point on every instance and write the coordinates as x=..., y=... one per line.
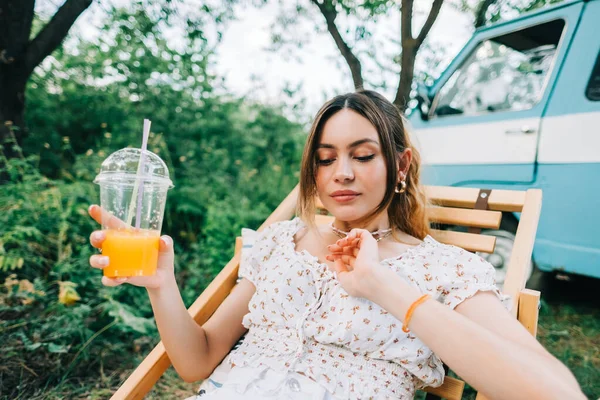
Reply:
x=345, y=198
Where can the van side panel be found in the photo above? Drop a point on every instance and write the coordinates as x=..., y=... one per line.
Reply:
x=568, y=237
x=569, y=161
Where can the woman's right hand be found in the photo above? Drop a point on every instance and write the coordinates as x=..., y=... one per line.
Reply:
x=166, y=257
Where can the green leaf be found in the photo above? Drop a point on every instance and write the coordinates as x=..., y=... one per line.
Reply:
x=33, y=346
x=56, y=348
x=129, y=321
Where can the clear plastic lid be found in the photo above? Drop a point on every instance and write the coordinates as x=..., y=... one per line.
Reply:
x=121, y=167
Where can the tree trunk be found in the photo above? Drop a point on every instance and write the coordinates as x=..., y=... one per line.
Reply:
x=12, y=107
x=19, y=56
x=410, y=48
x=15, y=28
x=407, y=72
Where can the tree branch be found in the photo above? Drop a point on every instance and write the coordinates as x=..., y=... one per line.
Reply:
x=328, y=11
x=482, y=9
x=406, y=21
x=410, y=47
x=54, y=32
x=433, y=14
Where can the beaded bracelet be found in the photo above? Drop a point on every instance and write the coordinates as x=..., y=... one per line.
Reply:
x=411, y=309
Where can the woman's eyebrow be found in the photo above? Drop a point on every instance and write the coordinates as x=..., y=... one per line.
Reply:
x=351, y=145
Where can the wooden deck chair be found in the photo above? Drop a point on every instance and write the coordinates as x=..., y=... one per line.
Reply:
x=466, y=207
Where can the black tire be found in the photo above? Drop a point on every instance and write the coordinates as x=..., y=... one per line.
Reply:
x=541, y=280
x=505, y=237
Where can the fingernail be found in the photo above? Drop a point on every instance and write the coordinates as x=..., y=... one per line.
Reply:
x=121, y=280
x=98, y=235
x=102, y=261
x=91, y=208
x=166, y=240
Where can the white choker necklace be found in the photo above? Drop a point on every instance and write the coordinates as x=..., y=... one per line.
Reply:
x=381, y=234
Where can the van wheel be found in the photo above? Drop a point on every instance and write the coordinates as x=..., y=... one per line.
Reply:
x=543, y=281
x=505, y=241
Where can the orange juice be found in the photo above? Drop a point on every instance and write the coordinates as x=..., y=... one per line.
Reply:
x=131, y=253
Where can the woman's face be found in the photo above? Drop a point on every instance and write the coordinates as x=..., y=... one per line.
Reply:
x=351, y=170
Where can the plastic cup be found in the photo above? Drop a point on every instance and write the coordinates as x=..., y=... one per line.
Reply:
x=132, y=243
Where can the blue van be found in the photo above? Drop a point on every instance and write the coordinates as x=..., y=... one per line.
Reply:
x=519, y=108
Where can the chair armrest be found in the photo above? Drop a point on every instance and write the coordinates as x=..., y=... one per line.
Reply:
x=516, y=276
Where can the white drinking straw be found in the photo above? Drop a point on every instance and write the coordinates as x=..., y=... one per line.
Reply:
x=138, y=188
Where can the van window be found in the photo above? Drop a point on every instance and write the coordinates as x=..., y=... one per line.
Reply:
x=592, y=91
x=506, y=73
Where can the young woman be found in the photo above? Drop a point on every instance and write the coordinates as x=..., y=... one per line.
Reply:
x=324, y=307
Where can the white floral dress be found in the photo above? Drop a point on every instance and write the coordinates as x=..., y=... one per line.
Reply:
x=308, y=338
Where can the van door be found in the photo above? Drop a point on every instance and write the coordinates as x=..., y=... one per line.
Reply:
x=484, y=122
x=569, y=158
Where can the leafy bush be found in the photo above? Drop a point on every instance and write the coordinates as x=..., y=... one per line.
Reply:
x=232, y=162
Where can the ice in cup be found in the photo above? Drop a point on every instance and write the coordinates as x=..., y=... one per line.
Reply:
x=133, y=192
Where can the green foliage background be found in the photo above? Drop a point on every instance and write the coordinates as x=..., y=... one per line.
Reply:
x=232, y=162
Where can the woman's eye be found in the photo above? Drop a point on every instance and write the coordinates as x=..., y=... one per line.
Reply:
x=325, y=161
x=366, y=158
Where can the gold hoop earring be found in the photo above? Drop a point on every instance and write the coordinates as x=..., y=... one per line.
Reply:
x=402, y=189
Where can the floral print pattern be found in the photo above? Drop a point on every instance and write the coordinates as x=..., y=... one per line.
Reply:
x=301, y=319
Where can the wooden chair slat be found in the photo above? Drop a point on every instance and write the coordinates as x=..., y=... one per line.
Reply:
x=500, y=200
x=451, y=389
x=468, y=241
x=465, y=217
x=529, y=306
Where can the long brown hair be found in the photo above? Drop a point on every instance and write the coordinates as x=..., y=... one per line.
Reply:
x=407, y=211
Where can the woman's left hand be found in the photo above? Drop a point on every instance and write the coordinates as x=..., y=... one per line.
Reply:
x=356, y=263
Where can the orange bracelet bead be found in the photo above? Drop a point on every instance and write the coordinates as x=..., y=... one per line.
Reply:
x=411, y=309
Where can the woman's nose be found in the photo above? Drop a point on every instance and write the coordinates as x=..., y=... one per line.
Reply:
x=343, y=171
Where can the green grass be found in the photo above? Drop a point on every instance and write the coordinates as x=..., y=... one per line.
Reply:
x=572, y=334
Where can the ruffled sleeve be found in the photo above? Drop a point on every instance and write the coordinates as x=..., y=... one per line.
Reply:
x=257, y=248
x=467, y=275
